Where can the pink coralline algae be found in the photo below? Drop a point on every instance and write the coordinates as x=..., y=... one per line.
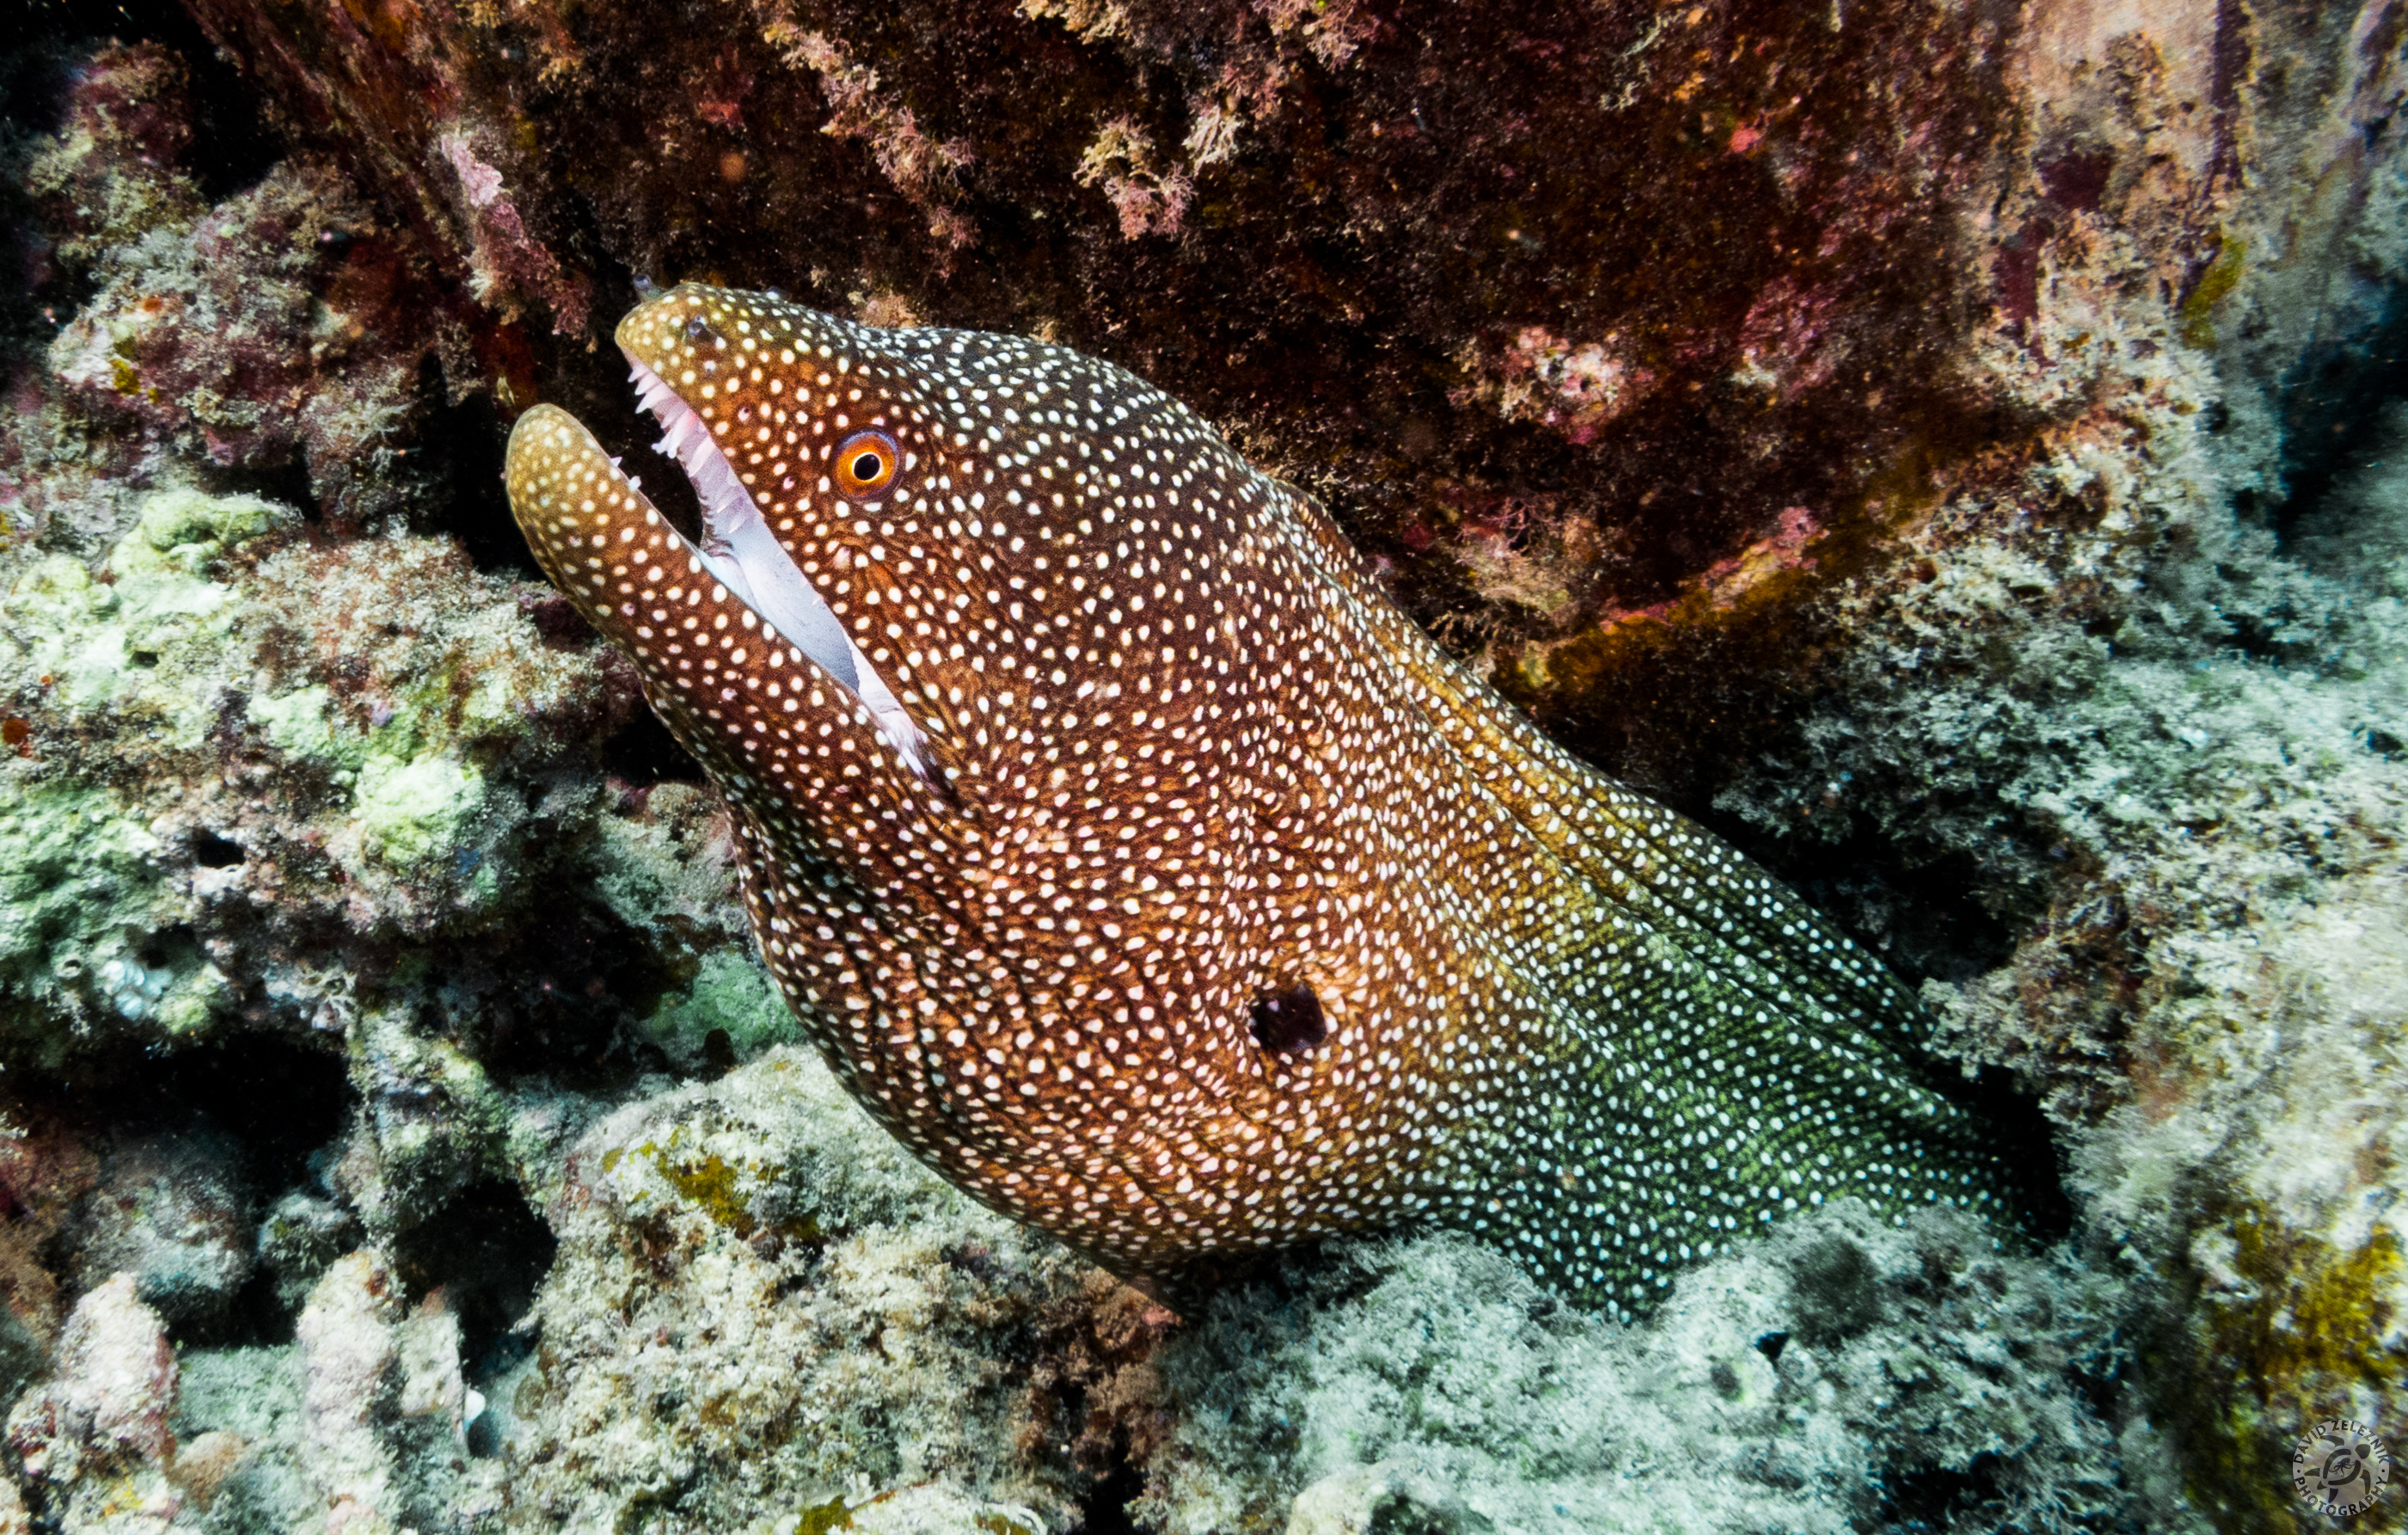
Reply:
x=1572, y=388
x=265, y=328
x=1784, y=341
x=116, y=168
x=1784, y=549
x=1151, y=195
x=503, y=257
x=106, y=1407
x=923, y=169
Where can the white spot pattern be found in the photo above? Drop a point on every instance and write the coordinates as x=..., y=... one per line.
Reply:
x=1189, y=758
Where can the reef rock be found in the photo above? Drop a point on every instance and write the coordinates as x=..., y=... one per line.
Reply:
x=172, y=1211
x=754, y=1277
x=102, y=1419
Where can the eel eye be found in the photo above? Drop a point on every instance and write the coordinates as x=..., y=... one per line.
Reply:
x=866, y=463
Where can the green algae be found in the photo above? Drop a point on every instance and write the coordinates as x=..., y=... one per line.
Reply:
x=133, y=640
x=730, y=994
x=721, y=1191
x=79, y=889
x=414, y=798
x=64, y=619
x=408, y=811
x=81, y=635
x=708, y=1184
x=820, y=1518
x=363, y=669
x=194, y=527
x=2197, y=315
x=2305, y=1335
x=303, y=724
x=89, y=926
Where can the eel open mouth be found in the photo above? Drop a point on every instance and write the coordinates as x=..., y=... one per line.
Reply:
x=744, y=556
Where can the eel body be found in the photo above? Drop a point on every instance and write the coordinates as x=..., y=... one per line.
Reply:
x=1138, y=864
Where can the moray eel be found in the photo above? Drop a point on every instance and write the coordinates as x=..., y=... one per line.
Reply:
x=1140, y=866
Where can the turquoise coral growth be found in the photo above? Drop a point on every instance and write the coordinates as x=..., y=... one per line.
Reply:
x=377, y=793
x=89, y=919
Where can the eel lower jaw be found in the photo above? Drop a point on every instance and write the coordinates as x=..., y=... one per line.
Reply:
x=744, y=556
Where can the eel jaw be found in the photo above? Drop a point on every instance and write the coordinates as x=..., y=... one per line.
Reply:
x=553, y=461
x=744, y=556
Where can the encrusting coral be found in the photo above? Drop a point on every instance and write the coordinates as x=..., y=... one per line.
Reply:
x=753, y=1277
x=1844, y=1374
x=368, y=797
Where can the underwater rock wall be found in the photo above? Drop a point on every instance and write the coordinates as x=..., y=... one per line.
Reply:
x=1958, y=454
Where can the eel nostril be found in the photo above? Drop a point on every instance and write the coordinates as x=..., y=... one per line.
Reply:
x=1290, y=1022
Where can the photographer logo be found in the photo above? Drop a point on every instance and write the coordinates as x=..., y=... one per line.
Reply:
x=2340, y=1466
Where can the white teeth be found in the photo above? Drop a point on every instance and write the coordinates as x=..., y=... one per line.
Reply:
x=744, y=556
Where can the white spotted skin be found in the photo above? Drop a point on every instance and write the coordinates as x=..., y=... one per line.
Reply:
x=1186, y=755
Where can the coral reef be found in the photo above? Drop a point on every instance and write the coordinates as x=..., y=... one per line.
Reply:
x=110, y=1397
x=760, y=1301
x=174, y=1212
x=380, y=720
x=755, y=1280
x=1841, y=1375
x=1960, y=455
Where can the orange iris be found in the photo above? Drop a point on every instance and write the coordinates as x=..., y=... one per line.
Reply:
x=866, y=465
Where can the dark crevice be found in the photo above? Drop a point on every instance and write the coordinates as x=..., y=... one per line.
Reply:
x=2019, y=1132
x=2333, y=407
x=1105, y=1509
x=256, y=1318
x=234, y=1123
x=643, y=752
x=287, y=483
x=1925, y=917
x=473, y=505
x=233, y=146
x=1938, y=1497
x=487, y=1251
x=278, y=1100
x=558, y=1003
x=36, y=74
x=1929, y=912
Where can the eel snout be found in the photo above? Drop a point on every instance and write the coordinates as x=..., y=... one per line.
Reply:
x=697, y=638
